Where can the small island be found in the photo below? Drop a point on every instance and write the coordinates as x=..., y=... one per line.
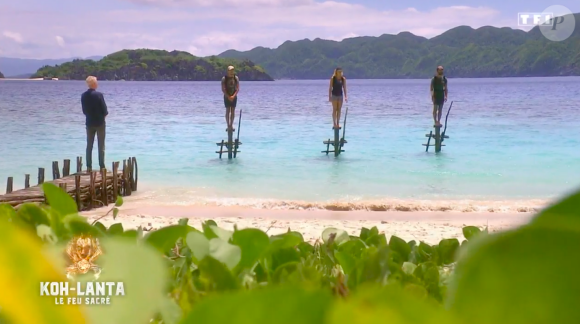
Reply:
x=153, y=65
x=1, y=75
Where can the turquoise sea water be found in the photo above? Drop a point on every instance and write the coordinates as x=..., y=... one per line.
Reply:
x=513, y=142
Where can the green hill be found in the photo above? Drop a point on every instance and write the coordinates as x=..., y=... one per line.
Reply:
x=153, y=65
x=464, y=51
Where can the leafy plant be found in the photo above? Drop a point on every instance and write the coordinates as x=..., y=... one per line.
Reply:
x=180, y=274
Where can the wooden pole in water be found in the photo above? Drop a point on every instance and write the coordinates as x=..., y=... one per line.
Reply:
x=27, y=181
x=221, y=148
x=428, y=141
x=230, y=140
x=437, y=139
x=342, y=141
x=336, y=141
x=238, y=137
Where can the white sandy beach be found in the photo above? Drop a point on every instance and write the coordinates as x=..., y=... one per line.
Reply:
x=429, y=227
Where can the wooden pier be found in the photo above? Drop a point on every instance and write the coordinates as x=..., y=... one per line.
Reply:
x=89, y=189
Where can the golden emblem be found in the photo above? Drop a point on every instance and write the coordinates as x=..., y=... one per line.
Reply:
x=83, y=251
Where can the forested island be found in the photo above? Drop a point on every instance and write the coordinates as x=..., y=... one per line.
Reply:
x=153, y=65
x=464, y=51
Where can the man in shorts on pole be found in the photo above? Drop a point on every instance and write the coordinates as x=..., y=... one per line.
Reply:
x=438, y=95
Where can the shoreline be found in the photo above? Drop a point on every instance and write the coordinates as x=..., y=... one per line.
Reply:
x=430, y=227
x=177, y=196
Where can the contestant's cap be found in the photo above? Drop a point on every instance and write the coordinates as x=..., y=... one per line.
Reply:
x=231, y=67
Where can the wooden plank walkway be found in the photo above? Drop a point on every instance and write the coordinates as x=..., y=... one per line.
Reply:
x=89, y=189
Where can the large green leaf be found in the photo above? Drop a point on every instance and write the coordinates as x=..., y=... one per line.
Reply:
x=33, y=214
x=227, y=253
x=23, y=266
x=372, y=304
x=165, y=238
x=525, y=276
x=254, y=244
x=448, y=249
x=143, y=273
x=564, y=214
x=340, y=236
x=280, y=305
x=59, y=200
x=399, y=245
x=217, y=274
x=469, y=232
x=198, y=244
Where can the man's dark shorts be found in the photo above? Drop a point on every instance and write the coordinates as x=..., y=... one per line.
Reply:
x=229, y=103
x=438, y=105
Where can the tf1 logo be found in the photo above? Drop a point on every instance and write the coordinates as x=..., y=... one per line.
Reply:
x=544, y=19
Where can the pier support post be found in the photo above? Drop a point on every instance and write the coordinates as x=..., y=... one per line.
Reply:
x=55, y=170
x=104, y=197
x=92, y=189
x=128, y=176
x=66, y=168
x=26, y=181
x=115, y=179
x=62, y=186
x=40, y=176
x=79, y=164
x=9, y=185
x=124, y=179
x=135, y=173
x=78, y=192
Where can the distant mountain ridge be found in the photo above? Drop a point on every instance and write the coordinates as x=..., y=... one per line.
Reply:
x=464, y=51
x=17, y=67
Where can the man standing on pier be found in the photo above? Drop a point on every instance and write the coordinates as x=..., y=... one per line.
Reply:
x=438, y=95
x=95, y=110
x=230, y=88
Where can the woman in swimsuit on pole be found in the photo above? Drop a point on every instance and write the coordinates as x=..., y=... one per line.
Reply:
x=335, y=95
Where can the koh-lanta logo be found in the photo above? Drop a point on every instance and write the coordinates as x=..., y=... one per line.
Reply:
x=556, y=23
x=82, y=251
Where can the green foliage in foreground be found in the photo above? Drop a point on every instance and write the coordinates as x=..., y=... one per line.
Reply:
x=464, y=51
x=179, y=274
x=153, y=65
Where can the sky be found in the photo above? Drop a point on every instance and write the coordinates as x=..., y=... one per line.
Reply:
x=67, y=28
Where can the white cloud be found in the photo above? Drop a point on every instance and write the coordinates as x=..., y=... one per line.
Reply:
x=59, y=41
x=213, y=29
x=13, y=36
